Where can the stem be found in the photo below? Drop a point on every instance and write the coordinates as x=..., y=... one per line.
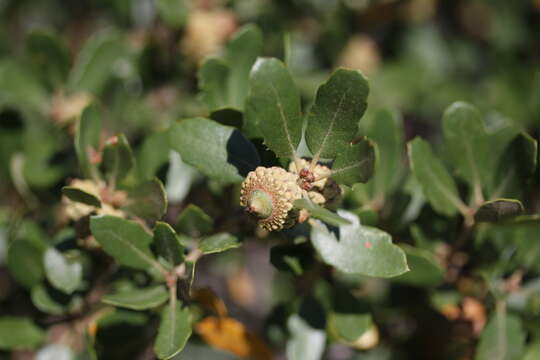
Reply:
x=172, y=294
x=500, y=309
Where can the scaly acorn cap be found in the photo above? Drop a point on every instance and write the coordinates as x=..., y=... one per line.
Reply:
x=268, y=194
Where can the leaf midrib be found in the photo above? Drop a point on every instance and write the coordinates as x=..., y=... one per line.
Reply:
x=332, y=122
x=134, y=248
x=283, y=118
x=345, y=168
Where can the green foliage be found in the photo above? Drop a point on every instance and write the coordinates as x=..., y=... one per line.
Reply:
x=438, y=186
x=503, y=338
x=19, y=333
x=220, y=152
x=276, y=101
x=333, y=120
x=167, y=111
x=138, y=299
x=174, y=331
x=125, y=240
x=79, y=195
x=359, y=249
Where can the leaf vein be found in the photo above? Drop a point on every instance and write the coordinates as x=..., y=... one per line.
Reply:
x=283, y=118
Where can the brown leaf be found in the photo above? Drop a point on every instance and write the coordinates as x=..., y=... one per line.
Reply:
x=209, y=300
x=229, y=335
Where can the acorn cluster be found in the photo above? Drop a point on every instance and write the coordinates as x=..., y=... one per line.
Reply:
x=268, y=194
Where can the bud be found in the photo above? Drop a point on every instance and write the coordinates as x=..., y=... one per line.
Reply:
x=268, y=194
x=324, y=191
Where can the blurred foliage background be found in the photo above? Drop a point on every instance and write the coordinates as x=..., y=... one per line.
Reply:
x=138, y=59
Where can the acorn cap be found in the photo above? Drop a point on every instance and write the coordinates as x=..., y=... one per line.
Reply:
x=268, y=194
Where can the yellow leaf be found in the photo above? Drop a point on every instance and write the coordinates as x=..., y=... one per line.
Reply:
x=209, y=300
x=229, y=335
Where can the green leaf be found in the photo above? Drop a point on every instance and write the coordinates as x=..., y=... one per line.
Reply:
x=349, y=327
x=218, y=243
x=524, y=150
x=148, y=200
x=533, y=351
x=321, y=213
x=168, y=245
x=79, y=195
x=503, y=338
x=20, y=89
x=305, y=342
x=48, y=300
x=96, y=62
x=498, y=210
x=194, y=222
x=354, y=163
x=196, y=351
x=213, y=75
x=49, y=57
x=124, y=240
x=154, y=153
x=349, y=319
x=174, y=331
x=138, y=299
x=467, y=143
x=296, y=259
x=333, y=120
x=19, y=333
x=173, y=12
x=228, y=117
x=241, y=53
x=437, y=185
x=117, y=159
x=62, y=273
x=360, y=249
x=276, y=101
x=385, y=128
x=227, y=158
x=25, y=261
x=87, y=137
x=424, y=268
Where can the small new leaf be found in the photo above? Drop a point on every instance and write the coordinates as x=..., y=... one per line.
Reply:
x=117, y=159
x=320, y=213
x=498, y=210
x=218, y=243
x=167, y=244
x=79, y=195
x=87, y=137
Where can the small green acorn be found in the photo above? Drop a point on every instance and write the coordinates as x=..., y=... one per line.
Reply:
x=268, y=195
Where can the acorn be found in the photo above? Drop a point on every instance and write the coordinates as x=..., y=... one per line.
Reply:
x=268, y=195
